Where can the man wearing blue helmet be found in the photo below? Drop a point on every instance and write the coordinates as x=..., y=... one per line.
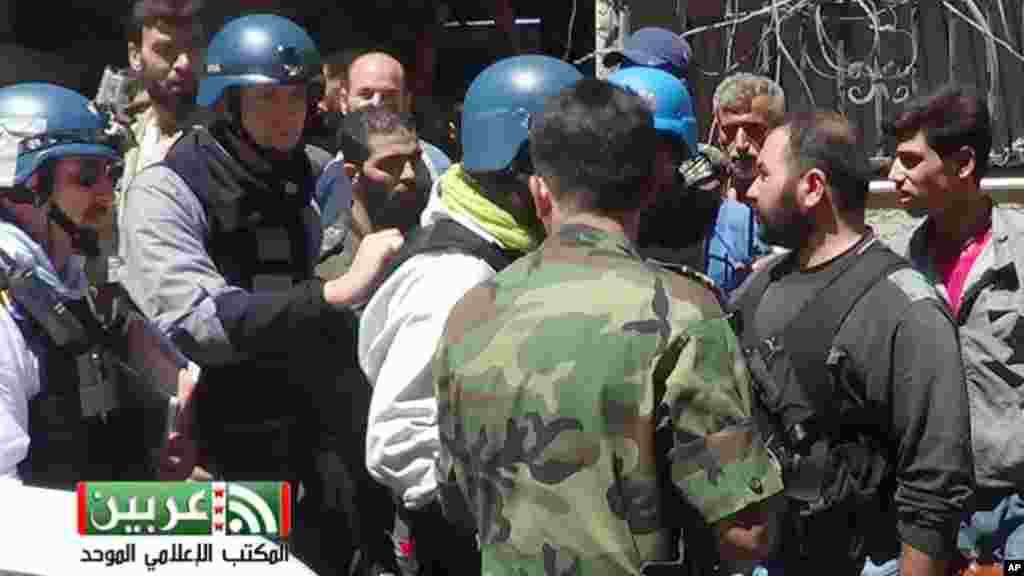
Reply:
x=673, y=227
x=219, y=243
x=64, y=415
x=479, y=218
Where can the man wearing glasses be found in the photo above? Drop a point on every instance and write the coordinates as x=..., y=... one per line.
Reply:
x=56, y=189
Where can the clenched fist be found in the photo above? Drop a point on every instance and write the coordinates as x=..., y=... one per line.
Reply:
x=375, y=251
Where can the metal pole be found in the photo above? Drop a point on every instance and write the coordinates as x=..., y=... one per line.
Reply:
x=1009, y=189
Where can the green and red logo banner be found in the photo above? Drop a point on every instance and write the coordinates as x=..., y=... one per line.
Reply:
x=184, y=509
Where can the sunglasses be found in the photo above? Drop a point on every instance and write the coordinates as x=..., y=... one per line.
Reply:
x=91, y=169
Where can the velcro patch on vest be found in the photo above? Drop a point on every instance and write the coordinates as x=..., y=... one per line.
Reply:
x=271, y=282
x=273, y=245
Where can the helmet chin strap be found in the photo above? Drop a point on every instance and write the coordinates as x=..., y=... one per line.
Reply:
x=84, y=240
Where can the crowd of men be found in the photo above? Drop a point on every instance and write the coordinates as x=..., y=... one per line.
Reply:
x=590, y=344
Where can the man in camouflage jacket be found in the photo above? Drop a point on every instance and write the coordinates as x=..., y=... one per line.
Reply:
x=583, y=391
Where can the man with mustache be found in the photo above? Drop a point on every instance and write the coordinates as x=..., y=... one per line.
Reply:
x=380, y=151
x=745, y=107
x=857, y=367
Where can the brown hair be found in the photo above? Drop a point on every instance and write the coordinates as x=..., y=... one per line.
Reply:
x=144, y=12
x=831, y=143
x=951, y=117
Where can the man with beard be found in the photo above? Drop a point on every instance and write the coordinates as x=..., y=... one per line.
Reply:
x=375, y=78
x=856, y=365
x=54, y=197
x=380, y=150
x=219, y=244
x=164, y=50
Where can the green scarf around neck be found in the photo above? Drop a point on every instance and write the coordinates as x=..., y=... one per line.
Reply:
x=461, y=194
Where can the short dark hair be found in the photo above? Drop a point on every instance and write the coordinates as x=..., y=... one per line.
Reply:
x=952, y=116
x=358, y=125
x=831, y=143
x=595, y=145
x=145, y=12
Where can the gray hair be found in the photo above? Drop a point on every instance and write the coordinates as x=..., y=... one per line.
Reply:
x=737, y=92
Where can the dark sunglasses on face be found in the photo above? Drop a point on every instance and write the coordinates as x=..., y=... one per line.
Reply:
x=90, y=170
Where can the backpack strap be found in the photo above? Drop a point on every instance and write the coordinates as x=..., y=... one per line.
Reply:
x=447, y=235
x=808, y=337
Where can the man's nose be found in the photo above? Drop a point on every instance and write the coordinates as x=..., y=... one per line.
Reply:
x=752, y=191
x=408, y=172
x=896, y=173
x=742, y=140
x=183, y=64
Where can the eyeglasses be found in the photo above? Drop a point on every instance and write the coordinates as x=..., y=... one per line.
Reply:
x=90, y=170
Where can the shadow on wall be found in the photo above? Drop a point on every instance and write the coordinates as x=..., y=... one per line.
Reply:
x=26, y=65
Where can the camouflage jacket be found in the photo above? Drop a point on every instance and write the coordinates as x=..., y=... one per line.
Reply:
x=551, y=380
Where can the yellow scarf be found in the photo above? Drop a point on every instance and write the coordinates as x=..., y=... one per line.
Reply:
x=461, y=194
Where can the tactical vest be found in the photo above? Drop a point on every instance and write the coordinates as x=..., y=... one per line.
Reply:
x=833, y=448
x=260, y=240
x=81, y=427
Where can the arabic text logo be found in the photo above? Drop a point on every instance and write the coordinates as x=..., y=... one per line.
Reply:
x=251, y=508
x=184, y=508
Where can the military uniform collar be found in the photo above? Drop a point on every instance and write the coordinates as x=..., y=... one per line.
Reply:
x=589, y=236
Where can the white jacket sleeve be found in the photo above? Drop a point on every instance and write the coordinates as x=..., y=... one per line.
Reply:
x=19, y=382
x=398, y=334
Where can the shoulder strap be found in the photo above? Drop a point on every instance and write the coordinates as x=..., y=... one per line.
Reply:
x=809, y=336
x=744, y=310
x=449, y=235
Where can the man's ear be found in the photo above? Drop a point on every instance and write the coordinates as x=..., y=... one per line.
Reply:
x=343, y=98
x=812, y=188
x=966, y=162
x=541, y=194
x=135, y=57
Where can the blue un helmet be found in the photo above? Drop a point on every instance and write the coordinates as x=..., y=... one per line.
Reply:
x=48, y=122
x=668, y=98
x=498, y=105
x=254, y=50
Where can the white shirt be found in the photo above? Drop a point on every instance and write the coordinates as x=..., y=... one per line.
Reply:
x=153, y=148
x=398, y=334
x=19, y=366
x=19, y=383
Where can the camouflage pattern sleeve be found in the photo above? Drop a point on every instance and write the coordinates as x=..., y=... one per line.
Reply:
x=453, y=502
x=719, y=461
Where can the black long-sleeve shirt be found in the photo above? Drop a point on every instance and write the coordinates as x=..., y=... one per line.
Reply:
x=899, y=346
